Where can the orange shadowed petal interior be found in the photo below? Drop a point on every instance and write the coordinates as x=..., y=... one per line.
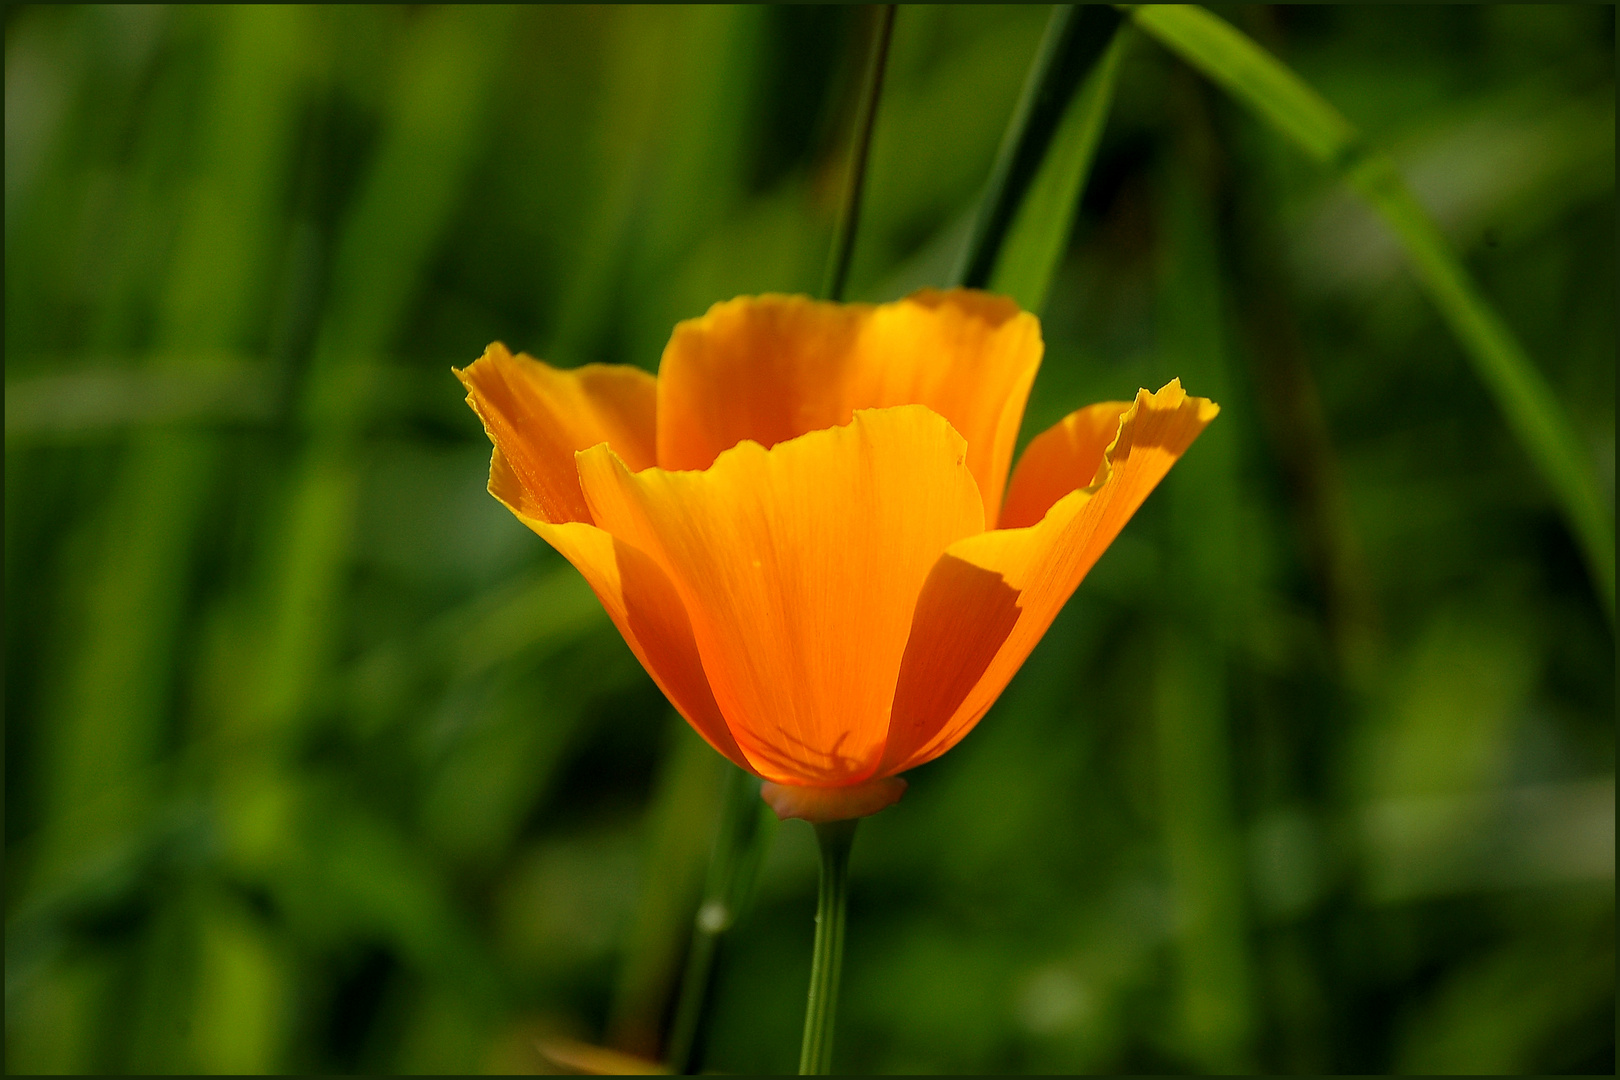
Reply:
x=1065, y=457
x=772, y=368
x=1042, y=564
x=642, y=603
x=768, y=368
x=538, y=416
x=800, y=567
x=964, y=614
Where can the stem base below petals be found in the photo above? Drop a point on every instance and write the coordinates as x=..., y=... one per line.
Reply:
x=820, y=804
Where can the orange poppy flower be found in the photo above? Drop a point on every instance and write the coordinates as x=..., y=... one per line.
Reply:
x=800, y=525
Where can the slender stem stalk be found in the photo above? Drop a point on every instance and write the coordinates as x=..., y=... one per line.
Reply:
x=739, y=848
x=849, y=211
x=827, y=960
x=694, y=997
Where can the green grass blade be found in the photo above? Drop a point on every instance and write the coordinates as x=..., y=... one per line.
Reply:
x=84, y=401
x=1214, y=584
x=1250, y=74
x=117, y=690
x=1076, y=38
x=1040, y=230
x=1533, y=413
x=415, y=180
x=746, y=830
x=689, y=794
x=849, y=214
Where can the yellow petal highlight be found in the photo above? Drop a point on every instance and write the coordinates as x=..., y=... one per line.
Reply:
x=800, y=566
x=1065, y=457
x=1044, y=563
x=538, y=416
x=772, y=368
x=638, y=597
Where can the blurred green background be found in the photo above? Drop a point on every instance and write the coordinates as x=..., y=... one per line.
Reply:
x=317, y=760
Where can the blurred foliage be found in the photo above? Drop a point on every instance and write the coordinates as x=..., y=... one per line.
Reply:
x=316, y=760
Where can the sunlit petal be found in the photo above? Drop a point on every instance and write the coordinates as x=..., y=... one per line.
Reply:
x=772, y=368
x=800, y=566
x=642, y=603
x=1043, y=564
x=1065, y=457
x=963, y=616
x=538, y=416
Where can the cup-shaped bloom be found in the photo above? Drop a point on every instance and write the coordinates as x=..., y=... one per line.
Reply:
x=803, y=525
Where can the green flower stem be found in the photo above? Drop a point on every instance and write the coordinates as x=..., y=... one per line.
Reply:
x=827, y=960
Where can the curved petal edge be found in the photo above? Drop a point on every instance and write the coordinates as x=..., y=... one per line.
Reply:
x=1065, y=457
x=642, y=603
x=538, y=416
x=771, y=368
x=1044, y=563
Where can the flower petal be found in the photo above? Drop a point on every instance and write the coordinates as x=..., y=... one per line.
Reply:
x=800, y=567
x=1065, y=457
x=963, y=615
x=1043, y=563
x=643, y=604
x=772, y=368
x=538, y=415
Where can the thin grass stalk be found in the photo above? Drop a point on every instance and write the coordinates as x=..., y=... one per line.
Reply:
x=738, y=852
x=849, y=211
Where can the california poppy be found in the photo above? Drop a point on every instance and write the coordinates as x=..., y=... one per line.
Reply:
x=803, y=525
